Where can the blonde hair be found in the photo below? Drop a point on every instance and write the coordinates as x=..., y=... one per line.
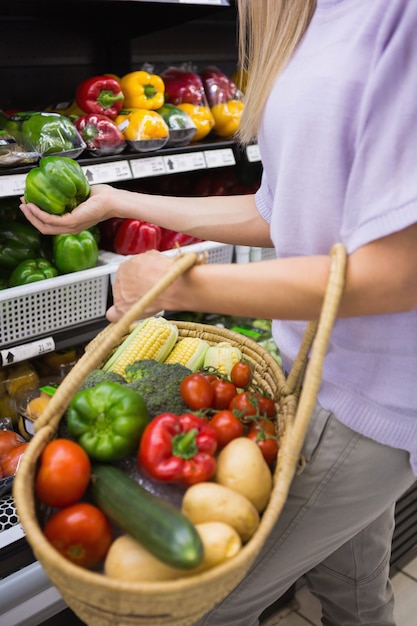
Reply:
x=269, y=32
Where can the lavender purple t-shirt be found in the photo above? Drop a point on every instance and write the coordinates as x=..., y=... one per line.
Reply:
x=339, y=150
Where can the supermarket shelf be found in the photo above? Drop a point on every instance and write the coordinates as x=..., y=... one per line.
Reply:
x=129, y=166
x=46, y=316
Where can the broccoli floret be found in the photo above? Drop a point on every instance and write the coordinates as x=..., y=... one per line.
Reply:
x=159, y=386
x=100, y=376
x=141, y=369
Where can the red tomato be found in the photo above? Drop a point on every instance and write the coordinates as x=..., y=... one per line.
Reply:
x=9, y=439
x=244, y=403
x=226, y=426
x=211, y=377
x=64, y=473
x=196, y=391
x=224, y=392
x=81, y=533
x=241, y=374
x=262, y=431
x=266, y=405
x=10, y=461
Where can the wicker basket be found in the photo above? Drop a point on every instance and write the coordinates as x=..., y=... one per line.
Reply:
x=100, y=601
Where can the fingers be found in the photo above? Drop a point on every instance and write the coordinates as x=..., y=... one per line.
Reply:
x=112, y=315
x=48, y=223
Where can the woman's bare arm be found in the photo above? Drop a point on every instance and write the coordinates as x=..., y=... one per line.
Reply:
x=228, y=219
x=381, y=278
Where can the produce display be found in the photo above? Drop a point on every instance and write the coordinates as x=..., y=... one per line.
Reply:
x=101, y=95
x=172, y=487
x=57, y=185
x=101, y=134
x=140, y=111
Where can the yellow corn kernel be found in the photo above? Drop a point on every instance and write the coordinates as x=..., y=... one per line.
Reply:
x=152, y=339
x=190, y=352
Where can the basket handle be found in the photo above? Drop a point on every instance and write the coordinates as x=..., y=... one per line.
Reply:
x=107, y=339
x=313, y=371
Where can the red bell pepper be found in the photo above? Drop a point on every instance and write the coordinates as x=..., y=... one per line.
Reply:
x=172, y=239
x=178, y=449
x=101, y=134
x=135, y=236
x=183, y=86
x=218, y=87
x=108, y=230
x=100, y=94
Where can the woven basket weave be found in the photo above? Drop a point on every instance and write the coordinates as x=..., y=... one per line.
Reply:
x=101, y=601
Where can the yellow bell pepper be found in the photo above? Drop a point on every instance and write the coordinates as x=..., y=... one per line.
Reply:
x=227, y=117
x=143, y=90
x=21, y=375
x=202, y=118
x=70, y=109
x=142, y=125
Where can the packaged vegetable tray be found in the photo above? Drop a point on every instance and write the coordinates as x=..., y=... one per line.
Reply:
x=101, y=601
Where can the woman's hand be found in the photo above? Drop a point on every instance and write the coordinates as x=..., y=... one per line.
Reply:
x=135, y=277
x=87, y=214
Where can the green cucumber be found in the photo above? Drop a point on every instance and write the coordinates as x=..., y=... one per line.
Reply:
x=161, y=528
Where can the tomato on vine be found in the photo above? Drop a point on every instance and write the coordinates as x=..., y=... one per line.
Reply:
x=226, y=426
x=244, y=404
x=262, y=432
x=197, y=391
x=241, y=374
x=266, y=405
x=223, y=393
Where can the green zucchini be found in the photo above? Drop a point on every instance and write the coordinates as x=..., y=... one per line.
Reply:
x=161, y=528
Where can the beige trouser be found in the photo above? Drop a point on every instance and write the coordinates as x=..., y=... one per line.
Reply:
x=336, y=528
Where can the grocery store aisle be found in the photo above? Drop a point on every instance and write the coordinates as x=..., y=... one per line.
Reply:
x=304, y=609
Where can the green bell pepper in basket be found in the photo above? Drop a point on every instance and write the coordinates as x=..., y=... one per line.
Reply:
x=57, y=186
x=31, y=271
x=19, y=241
x=73, y=253
x=107, y=420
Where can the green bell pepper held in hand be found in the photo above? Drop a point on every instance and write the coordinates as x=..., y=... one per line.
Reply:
x=31, y=271
x=73, y=253
x=57, y=186
x=108, y=420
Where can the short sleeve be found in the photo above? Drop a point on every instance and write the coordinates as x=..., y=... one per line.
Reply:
x=381, y=196
x=264, y=199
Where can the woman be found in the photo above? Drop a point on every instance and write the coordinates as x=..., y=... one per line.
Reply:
x=332, y=100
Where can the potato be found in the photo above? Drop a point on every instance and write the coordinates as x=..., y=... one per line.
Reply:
x=220, y=541
x=242, y=467
x=211, y=502
x=129, y=560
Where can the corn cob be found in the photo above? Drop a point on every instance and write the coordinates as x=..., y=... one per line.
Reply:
x=190, y=352
x=154, y=338
x=222, y=357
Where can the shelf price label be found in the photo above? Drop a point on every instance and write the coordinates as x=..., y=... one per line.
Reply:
x=252, y=153
x=186, y=162
x=13, y=185
x=148, y=166
x=107, y=172
x=220, y=158
x=213, y=2
x=27, y=351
